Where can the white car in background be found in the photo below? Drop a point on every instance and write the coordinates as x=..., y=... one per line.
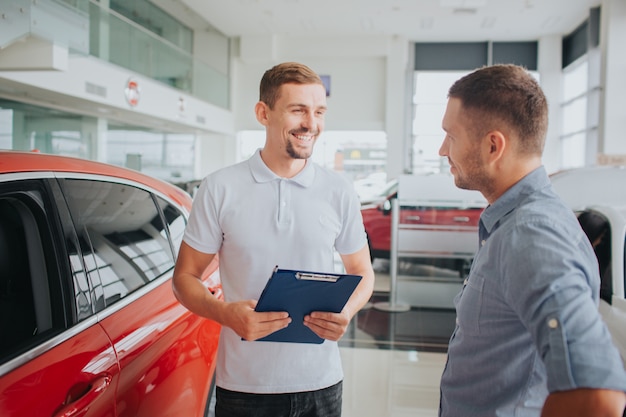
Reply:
x=598, y=197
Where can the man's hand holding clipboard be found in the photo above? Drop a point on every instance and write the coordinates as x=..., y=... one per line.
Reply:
x=301, y=293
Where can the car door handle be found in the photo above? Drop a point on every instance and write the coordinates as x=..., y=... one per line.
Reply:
x=414, y=218
x=81, y=405
x=461, y=219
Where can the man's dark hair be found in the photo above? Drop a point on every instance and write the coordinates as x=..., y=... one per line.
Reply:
x=509, y=94
x=285, y=73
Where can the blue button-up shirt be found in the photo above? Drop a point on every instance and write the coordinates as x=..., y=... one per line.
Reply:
x=527, y=317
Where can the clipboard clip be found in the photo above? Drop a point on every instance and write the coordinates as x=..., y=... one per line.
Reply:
x=307, y=276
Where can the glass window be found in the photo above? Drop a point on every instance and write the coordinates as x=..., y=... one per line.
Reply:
x=156, y=21
x=125, y=243
x=573, y=151
x=168, y=156
x=575, y=80
x=574, y=120
x=30, y=302
x=598, y=230
x=165, y=155
x=429, y=105
x=359, y=155
x=176, y=223
x=574, y=116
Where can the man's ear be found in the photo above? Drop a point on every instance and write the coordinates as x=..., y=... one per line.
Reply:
x=261, y=112
x=497, y=144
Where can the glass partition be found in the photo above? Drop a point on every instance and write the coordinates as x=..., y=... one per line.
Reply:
x=117, y=39
x=163, y=50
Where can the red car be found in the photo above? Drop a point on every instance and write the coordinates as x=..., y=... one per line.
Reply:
x=89, y=325
x=445, y=227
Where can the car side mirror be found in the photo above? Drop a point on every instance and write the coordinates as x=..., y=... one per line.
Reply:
x=386, y=207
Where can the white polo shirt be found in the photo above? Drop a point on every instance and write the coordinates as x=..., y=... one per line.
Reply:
x=256, y=220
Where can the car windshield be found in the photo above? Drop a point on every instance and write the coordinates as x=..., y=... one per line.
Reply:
x=390, y=188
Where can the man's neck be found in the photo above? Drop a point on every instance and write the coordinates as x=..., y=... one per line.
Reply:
x=284, y=167
x=511, y=175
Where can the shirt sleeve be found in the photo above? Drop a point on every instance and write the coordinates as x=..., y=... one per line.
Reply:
x=203, y=231
x=352, y=236
x=553, y=286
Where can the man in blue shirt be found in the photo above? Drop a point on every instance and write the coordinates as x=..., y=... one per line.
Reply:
x=529, y=340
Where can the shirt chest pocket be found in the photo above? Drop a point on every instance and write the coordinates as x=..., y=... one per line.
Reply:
x=469, y=305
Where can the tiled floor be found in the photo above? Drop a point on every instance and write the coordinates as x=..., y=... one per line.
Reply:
x=393, y=360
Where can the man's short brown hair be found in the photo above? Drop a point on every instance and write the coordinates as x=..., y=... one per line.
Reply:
x=506, y=94
x=285, y=73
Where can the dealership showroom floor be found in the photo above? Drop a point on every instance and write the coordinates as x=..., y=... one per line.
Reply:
x=393, y=360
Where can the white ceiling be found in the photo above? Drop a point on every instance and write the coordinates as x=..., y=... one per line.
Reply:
x=416, y=20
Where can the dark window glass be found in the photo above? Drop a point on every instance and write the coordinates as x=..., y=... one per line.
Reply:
x=450, y=56
x=31, y=307
x=455, y=56
x=122, y=236
x=575, y=44
x=175, y=222
x=598, y=230
x=520, y=53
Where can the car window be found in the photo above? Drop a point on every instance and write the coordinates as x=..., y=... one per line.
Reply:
x=598, y=230
x=176, y=223
x=30, y=289
x=123, y=238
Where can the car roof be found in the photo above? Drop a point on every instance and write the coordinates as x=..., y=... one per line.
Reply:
x=21, y=161
x=594, y=185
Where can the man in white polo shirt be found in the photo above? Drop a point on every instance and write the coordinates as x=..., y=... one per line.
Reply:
x=277, y=208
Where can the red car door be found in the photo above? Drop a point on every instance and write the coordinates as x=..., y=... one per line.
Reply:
x=75, y=378
x=164, y=368
x=166, y=354
x=55, y=359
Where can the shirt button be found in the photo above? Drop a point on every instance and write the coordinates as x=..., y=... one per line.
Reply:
x=465, y=282
x=456, y=320
x=283, y=204
x=482, y=242
x=553, y=323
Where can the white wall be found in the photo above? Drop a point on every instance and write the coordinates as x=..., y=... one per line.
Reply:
x=370, y=89
x=550, y=75
x=370, y=85
x=157, y=101
x=367, y=81
x=356, y=67
x=613, y=109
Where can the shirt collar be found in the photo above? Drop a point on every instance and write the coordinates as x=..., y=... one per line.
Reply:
x=535, y=180
x=261, y=173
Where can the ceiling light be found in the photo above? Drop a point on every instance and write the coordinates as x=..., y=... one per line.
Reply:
x=463, y=4
x=488, y=22
x=464, y=10
x=426, y=23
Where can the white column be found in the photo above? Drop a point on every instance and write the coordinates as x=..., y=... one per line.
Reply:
x=397, y=108
x=550, y=77
x=613, y=110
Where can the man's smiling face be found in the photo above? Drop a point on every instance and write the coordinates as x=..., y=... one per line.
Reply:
x=297, y=118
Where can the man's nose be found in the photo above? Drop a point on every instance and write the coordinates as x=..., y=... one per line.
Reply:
x=443, y=148
x=309, y=120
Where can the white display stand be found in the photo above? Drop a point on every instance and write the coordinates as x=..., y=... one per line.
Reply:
x=432, y=241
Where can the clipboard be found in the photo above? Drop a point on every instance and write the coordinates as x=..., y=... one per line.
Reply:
x=300, y=293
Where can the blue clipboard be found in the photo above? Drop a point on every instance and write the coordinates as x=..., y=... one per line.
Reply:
x=300, y=293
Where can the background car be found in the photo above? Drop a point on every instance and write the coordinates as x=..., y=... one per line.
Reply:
x=598, y=197
x=440, y=223
x=89, y=325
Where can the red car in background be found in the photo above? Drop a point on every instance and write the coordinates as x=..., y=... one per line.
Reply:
x=89, y=325
x=431, y=219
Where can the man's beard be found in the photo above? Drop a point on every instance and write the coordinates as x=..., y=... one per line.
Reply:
x=295, y=154
x=475, y=177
